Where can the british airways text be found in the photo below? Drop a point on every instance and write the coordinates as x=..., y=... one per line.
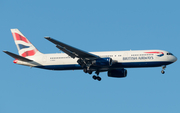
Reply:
x=138, y=58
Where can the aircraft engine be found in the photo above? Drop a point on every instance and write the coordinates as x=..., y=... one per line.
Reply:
x=118, y=73
x=102, y=62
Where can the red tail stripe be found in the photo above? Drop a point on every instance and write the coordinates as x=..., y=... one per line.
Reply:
x=29, y=53
x=19, y=37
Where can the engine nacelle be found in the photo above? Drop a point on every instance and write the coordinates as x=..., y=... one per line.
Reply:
x=102, y=62
x=118, y=73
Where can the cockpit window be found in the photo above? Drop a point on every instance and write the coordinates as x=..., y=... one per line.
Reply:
x=169, y=54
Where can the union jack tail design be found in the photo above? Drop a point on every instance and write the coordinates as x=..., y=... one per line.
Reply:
x=24, y=46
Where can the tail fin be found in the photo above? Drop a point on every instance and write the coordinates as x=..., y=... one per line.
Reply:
x=24, y=46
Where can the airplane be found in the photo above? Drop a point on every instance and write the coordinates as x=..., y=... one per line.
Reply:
x=114, y=62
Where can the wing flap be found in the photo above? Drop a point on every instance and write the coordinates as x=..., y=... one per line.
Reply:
x=17, y=56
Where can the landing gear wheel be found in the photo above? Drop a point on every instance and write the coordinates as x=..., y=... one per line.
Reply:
x=162, y=71
x=85, y=70
x=94, y=77
x=99, y=78
x=90, y=72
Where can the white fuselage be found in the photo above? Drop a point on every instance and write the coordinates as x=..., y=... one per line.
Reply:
x=125, y=59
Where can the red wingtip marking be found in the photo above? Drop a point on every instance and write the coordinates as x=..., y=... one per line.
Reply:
x=15, y=61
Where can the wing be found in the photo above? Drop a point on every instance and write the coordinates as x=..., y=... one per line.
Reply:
x=72, y=51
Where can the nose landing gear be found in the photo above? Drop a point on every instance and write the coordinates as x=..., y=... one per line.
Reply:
x=162, y=71
x=163, y=68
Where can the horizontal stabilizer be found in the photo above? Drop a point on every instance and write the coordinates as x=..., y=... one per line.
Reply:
x=17, y=56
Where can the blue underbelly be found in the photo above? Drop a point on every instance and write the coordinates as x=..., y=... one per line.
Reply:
x=118, y=65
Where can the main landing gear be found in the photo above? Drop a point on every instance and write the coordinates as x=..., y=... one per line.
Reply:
x=96, y=77
x=87, y=71
x=163, y=68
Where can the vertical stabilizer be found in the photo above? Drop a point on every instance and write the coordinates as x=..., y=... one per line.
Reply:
x=24, y=46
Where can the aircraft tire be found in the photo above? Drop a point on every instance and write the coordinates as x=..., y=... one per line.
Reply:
x=99, y=78
x=162, y=71
x=94, y=77
x=90, y=72
x=85, y=70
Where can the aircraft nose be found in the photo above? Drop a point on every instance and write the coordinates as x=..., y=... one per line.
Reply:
x=175, y=59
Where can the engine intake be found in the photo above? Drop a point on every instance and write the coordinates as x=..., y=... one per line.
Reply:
x=118, y=73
